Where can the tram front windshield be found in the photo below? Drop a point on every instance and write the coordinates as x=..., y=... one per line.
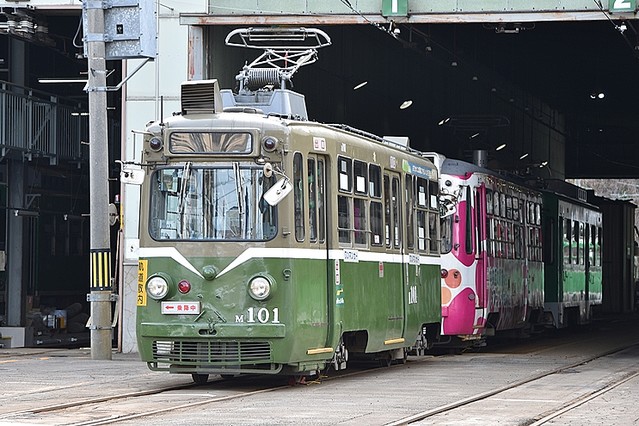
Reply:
x=222, y=202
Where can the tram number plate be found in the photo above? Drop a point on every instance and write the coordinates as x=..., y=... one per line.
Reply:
x=181, y=308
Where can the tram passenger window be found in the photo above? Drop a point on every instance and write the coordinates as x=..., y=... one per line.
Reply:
x=530, y=213
x=468, y=214
x=502, y=204
x=496, y=204
x=345, y=172
x=410, y=231
x=489, y=201
x=397, y=241
x=519, y=247
x=537, y=214
x=591, y=245
x=344, y=219
x=422, y=195
x=359, y=220
x=312, y=200
x=421, y=230
x=375, y=181
x=567, y=233
x=321, y=197
x=387, y=211
x=376, y=223
x=361, y=177
x=432, y=232
x=575, y=243
x=582, y=244
x=516, y=209
x=298, y=196
x=490, y=245
x=433, y=192
x=599, y=243
x=509, y=207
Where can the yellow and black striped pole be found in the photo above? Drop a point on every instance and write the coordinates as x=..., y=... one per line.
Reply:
x=101, y=270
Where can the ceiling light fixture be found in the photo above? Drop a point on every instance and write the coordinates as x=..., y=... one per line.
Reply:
x=406, y=104
x=524, y=155
x=360, y=85
x=443, y=121
x=500, y=147
x=61, y=80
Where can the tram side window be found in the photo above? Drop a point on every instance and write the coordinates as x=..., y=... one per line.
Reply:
x=567, y=241
x=359, y=220
x=433, y=191
x=376, y=223
x=375, y=191
x=375, y=181
x=509, y=207
x=592, y=243
x=599, y=244
x=502, y=204
x=312, y=200
x=422, y=220
x=361, y=177
x=433, y=217
x=298, y=196
x=344, y=219
x=582, y=244
x=575, y=243
x=396, y=217
x=519, y=247
x=489, y=201
x=410, y=236
x=496, y=204
x=537, y=214
x=345, y=174
x=387, y=211
x=421, y=230
x=321, y=197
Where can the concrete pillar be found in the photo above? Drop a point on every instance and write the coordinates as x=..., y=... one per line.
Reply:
x=16, y=288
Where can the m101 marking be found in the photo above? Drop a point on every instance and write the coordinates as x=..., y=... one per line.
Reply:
x=261, y=315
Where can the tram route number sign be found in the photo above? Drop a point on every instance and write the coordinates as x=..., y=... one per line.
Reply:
x=622, y=5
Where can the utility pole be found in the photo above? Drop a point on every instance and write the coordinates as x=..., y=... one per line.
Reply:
x=101, y=289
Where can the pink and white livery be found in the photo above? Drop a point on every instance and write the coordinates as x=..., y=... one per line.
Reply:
x=491, y=252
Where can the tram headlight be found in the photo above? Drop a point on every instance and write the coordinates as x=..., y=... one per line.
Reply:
x=270, y=144
x=157, y=287
x=155, y=143
x=260, y=288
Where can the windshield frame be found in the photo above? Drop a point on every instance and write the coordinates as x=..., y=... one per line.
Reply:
x=176, y=209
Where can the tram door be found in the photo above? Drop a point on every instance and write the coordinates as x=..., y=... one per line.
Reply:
x=317, y=223
x=481, y=243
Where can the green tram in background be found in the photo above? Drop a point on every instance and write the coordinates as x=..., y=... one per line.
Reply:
x=272, y=244
x=572, y=257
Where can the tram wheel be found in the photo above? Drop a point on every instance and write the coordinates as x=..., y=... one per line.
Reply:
x=200, y=379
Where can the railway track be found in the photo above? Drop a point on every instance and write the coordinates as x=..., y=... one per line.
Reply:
x=271, y=400
x=545, y=416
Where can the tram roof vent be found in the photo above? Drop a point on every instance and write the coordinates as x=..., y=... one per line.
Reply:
x=201, y=97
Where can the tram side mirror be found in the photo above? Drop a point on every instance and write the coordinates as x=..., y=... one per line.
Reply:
x=278, y=192
x=131, y=175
